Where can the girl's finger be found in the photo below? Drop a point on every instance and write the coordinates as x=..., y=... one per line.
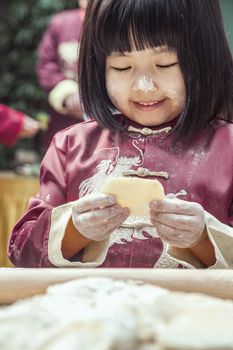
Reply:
x=103, y=229
x=109, y=227
x=95, y=217
x=181, y=238
x=177, y=206
x=94, y=201
x=177, y=221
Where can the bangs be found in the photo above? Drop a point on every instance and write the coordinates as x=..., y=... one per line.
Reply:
x=192, y=28
x=124, y=26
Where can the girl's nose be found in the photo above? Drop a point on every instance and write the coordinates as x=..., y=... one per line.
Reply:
x=144, y=84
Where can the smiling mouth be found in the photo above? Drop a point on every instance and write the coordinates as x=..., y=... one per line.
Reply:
x=148, y=106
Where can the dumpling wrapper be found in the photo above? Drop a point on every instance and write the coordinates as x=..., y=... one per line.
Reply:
x=135, y=193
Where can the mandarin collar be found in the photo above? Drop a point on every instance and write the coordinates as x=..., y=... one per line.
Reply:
x=128, y=123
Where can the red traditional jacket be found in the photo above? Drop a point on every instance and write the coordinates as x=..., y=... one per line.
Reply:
x=57, y=66
x=81, y=159
x=11, y=122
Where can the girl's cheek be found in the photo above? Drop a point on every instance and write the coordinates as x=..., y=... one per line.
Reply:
x=175, y=90
x=112, y=88
x=177, y=96
x=115, y=90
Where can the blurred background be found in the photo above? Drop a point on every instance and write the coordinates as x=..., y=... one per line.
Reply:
x=22, y=24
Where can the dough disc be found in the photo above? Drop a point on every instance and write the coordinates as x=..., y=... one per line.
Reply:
x=135, y=193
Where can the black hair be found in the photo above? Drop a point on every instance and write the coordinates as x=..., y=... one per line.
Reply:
x=193, y=28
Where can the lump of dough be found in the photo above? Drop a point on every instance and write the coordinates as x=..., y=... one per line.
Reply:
x=100, y=313
x=135, y=193
x=204, y=328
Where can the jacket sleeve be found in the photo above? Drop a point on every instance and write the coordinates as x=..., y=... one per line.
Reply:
x=37, y=237
x=11, y=122
x=50, y=74
x=28, y=244
x=48, y=68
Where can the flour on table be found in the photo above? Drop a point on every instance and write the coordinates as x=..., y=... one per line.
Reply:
x=107, y=314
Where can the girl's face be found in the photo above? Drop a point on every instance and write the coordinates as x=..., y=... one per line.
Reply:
x=146, y=86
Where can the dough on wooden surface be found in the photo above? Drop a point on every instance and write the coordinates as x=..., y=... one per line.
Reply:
x=135, y=193
x=103, y=314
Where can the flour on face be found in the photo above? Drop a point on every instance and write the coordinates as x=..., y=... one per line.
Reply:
x=145, y=84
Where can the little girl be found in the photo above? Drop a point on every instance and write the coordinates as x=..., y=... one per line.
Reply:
x=156, y=79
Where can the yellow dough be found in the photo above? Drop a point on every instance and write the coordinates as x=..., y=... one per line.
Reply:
x=135, y=193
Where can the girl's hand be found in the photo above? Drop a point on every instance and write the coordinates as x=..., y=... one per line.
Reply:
x=178, y=222
x=96, y=216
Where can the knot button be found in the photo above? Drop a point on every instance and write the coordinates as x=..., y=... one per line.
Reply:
x=143, y=172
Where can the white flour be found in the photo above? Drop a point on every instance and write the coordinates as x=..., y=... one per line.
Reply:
x=105, y=314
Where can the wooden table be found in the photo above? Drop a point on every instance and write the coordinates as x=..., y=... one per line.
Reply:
x=15, y=192
x=19, y=283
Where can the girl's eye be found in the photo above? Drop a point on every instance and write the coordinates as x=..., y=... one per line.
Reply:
x=121, y=69
x=166, y=65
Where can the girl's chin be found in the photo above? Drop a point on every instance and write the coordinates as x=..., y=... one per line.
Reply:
x=155, y=121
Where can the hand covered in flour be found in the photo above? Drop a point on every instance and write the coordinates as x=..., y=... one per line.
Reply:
x=179, y=223
x=95, y=216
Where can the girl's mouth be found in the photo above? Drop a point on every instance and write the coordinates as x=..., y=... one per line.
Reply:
x=148, y=106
